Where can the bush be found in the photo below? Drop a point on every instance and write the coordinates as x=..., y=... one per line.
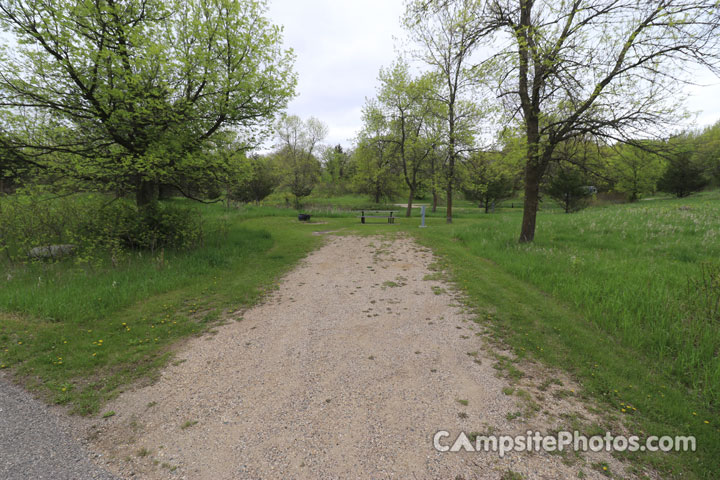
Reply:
x=96, y=226
x=150, y=228
x=28, y=221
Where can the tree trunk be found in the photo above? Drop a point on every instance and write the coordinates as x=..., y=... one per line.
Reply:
x=410, y=203
x=451, y=158
x=435, y=200
x=146, y=193
x=377, y=193
x=533, y=173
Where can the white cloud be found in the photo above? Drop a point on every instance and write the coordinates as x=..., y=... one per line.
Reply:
x=704, y=98
x=340, y=47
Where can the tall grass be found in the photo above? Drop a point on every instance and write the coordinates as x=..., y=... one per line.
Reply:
x=627, y=269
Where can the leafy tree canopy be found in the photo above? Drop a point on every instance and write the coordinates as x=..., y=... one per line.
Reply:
x=121, y=93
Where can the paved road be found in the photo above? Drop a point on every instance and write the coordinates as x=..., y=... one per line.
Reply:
x=37, y=443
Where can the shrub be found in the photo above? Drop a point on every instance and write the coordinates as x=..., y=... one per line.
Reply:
x=30, y=221
x=96, y=226
x=150, y=228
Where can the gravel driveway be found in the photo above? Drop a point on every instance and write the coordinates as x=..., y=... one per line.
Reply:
x=38, y=443
x=346, y=371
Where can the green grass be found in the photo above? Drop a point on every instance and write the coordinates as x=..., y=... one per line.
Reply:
x=345, y=205
x=78, y=335
x=342, y=202
x=627, y=270
x=604, y=295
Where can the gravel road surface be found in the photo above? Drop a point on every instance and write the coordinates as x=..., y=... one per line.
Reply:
x=346, y=372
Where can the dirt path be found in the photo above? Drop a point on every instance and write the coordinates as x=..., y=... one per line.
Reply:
x=347, y=371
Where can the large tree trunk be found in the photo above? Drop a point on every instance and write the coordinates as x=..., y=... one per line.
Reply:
x=435, y=200
x=534, y=169
x=530, y=107
x=410, y=203
x=146, y=193
x=450, y=179
x=533, y=174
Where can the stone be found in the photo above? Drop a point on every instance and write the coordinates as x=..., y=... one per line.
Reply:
x=52, y=251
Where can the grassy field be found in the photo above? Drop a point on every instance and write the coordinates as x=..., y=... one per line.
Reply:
x=611, y=294
x=78, y=335
x=605, y=295
x=632, y=270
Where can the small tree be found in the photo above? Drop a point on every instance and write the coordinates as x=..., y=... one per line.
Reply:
x=336, y=170
x=635, y=170
x=707, y=151
x=683, y=176
x=259, y=181
x=298, y=166
x=375, y=173
x=447, y=33
x=486, y=179
x=409, y=108
x=569, y=187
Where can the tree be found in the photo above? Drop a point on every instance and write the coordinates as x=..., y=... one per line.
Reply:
x=298, y=143
x=487, y=179
x=683, y=175
x=604, y=68
x=255, y=181
x=336, y=162
x=125, y=92
x=448, y=34
x=436, y=166
x=376, y=172
x=707, y=150
x=635, y=169
x=408, y=108
x=337, y=170
x=568, y=186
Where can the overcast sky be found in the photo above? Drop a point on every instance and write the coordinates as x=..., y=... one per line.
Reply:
x=341, y=45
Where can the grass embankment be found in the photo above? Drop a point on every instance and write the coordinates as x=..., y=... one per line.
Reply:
x=79, y=334
x=604, y=295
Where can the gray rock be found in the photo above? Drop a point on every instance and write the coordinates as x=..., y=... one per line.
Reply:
x=52, y=251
